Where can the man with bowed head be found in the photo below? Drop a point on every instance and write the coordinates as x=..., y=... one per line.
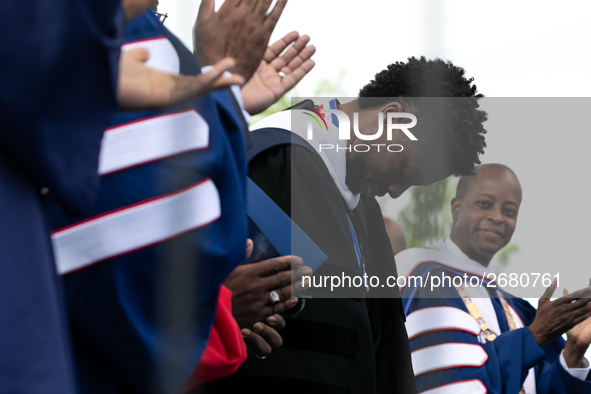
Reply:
x=478, y=339
x=357, y=343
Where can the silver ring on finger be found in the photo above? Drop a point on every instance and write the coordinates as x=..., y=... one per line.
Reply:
x=274, y=296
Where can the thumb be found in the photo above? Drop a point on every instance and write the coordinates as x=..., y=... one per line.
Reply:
x=137, y=54
x=218, y=69
x=215, y=79
x=549, y=291
x=249, y=247
x=188, y=87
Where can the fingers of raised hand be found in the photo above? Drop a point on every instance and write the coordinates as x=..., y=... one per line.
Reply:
x=298, y=46
x=293, y=58
x=188, y=87
x=275, y=49
x=577, y=299
x=262, y=6
x=580, y=317
x=229, y=4
x=297, y=75
x=206, y=9
x=583, y=293
x=549, y=291
x=271, y=19
x=297, y=61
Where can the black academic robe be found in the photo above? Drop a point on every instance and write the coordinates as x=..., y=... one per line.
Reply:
x=335, y=345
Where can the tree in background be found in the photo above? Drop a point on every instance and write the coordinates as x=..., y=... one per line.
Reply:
x=425, y=219
x=501, y=262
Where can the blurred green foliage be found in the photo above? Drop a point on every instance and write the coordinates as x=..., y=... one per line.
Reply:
x=427, y=217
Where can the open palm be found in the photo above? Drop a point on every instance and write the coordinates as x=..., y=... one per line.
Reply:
x=581, y=333
x=267, y=85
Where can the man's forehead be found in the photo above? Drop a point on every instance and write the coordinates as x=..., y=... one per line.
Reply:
x=494, y=181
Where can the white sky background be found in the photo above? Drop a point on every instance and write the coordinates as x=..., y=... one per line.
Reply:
x=512, y=49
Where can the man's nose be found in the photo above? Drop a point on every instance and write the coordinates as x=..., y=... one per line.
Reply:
x=395, y=190
x=496, y=215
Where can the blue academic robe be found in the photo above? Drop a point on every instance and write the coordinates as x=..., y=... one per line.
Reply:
x=59, y=60
x=467, y=365
x=141, y=310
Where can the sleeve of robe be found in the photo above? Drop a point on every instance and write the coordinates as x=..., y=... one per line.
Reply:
x=450, y=359
x=225, y=351
x=142, y=294
x=60, y=64
x=59, y=61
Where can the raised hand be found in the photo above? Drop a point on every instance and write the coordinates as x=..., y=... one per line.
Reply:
x=579, y=338
x=267, y=85
x=240, y=29
x=141, y=87
x=554, y=318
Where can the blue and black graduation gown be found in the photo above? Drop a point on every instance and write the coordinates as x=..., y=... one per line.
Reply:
x=334, y=345
x=449, y=357
x=59, y=60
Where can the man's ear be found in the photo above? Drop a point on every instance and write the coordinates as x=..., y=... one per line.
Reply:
x=394, y=106
x=456, y=202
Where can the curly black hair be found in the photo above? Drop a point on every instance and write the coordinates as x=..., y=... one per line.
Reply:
x=454, y=125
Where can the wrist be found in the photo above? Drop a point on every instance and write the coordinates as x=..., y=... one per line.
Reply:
x=574, y=354
x=539, y=337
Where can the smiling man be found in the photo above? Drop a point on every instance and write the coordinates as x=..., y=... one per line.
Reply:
x=468, y=338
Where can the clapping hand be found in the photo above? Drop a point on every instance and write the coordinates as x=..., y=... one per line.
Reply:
x=241, y=29
x=276, y=74
x=141, y=87
x=579, y=338
x=555, y=318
